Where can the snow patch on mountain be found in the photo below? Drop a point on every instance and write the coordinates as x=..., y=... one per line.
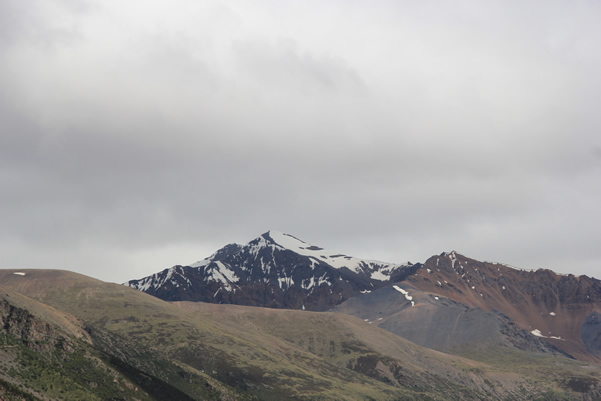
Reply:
x=160, y=279
x=200, y=263
x=334, y=259
x=537, y=333
x=223, y=274
x=405, y=293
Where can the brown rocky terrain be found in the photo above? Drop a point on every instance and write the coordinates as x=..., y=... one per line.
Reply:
x=562, y=310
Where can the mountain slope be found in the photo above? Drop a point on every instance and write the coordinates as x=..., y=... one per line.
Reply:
x=452, y=302
x=283, y=354
x=560, y=309
x=274, y=270
x=434, y=321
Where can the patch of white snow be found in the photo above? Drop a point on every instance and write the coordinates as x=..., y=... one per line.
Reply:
x=200, y=263
x=405, y=293
x=379, y=275
x=453, y=259
x=334, y=259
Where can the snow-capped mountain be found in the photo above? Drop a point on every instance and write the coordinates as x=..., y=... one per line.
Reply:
x=274, y=270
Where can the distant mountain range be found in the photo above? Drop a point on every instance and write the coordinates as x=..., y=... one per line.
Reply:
x=452, y=328
x=447, y=302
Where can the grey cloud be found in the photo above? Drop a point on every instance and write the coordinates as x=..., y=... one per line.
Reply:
x=283, y=68
x=391, y=132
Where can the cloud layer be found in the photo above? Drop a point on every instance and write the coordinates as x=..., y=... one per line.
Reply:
x=137, y=135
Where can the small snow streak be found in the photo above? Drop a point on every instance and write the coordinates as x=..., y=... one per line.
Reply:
x=537, y=333
x=200, y=263
x=405, y=293
x=453, y=259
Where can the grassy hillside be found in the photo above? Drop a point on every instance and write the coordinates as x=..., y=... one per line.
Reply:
x=245, y=352
x=47, y=354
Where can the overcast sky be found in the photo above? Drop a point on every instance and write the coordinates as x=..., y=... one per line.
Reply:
x=136, y=134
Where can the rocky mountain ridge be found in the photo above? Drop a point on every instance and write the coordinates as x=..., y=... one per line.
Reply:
x=561, y=309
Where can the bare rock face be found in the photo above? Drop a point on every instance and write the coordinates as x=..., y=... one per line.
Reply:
x=591, y=333
x=35, y=333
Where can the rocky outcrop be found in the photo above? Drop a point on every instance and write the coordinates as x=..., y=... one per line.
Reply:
x=36, y=334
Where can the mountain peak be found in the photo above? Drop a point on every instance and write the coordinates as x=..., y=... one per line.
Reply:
x=284, y=240
x=291, y=242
